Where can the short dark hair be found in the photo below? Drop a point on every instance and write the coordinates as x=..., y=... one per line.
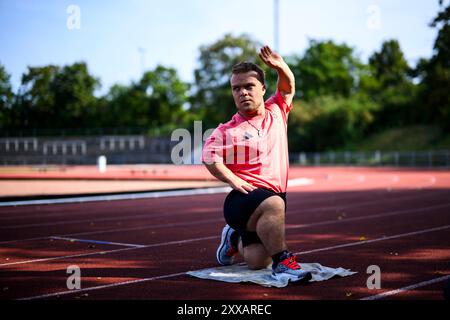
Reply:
x=243, y=67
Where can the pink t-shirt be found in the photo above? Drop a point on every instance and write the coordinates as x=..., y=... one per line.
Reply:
x=261, y=160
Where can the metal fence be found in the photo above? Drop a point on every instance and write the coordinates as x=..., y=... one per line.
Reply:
x=134, y=149
x=440, y=158
x=84, y=150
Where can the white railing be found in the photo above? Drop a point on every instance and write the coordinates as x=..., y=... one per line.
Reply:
x=439, y=158
x=143, y=149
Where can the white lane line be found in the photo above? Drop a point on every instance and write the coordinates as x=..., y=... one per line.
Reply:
x=145, y=195
x=332, y=208
x=183, y=273
x=132, y=196
x=170, y=225
x=351, y=244
x=109, y=251
x=360, y=204
x=407, y=288
x=300, y=182
x=98, y=242
x=351, y=197
x=127, y=218
x=106, y=286
x=129, y=196
x=53, y=215
x=142, y=227
x=329, y=222
x=293, y=201
x=373, y=216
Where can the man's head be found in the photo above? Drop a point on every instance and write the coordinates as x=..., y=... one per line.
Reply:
x=248, y=87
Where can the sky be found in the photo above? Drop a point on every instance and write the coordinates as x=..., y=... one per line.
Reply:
x=118, y=39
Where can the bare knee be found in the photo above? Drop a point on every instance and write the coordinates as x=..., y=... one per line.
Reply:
x=258, y=264
x=273, y=205
x=256, y=257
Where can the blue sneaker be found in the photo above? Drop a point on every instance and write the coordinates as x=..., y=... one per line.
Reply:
x=290, y=269
x=226, y=251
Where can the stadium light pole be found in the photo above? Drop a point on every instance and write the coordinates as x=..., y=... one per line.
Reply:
x=276, y=41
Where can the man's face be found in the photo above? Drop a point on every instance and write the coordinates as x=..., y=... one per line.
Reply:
x=248, y=92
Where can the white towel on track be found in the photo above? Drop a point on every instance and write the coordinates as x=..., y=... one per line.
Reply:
x=240, y=273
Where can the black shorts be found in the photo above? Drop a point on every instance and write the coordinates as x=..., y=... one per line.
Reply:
x=238, y=208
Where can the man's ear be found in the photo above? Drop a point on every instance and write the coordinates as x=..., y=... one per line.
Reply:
x=264, y=88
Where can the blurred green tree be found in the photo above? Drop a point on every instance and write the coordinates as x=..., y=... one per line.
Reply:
x=6, y=97
x=389, y=65
x=35, y=100
x=435, y=74
x=212, y=100
x=158, y=100
x=326, y=68
x=394, y=89
x=75, y=103
x=54, y=97
x=329, y=122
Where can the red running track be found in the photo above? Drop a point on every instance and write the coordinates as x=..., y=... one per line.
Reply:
x=397, y=219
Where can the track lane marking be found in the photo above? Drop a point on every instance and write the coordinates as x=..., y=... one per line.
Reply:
x=351, y=244
x=301, y=181
x=324, y=208
x=128, y=196
x=407, y=288
x=105, y=286
x=144, y=227
x=109, y=251
x=288, y=227
x=183, y=273
x=145, y=195
x=98, y=242
x=329, y=222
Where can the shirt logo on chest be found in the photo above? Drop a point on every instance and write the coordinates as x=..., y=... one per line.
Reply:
x=247, y=136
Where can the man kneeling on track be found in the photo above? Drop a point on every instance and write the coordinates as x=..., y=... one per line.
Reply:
x=250, y=153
